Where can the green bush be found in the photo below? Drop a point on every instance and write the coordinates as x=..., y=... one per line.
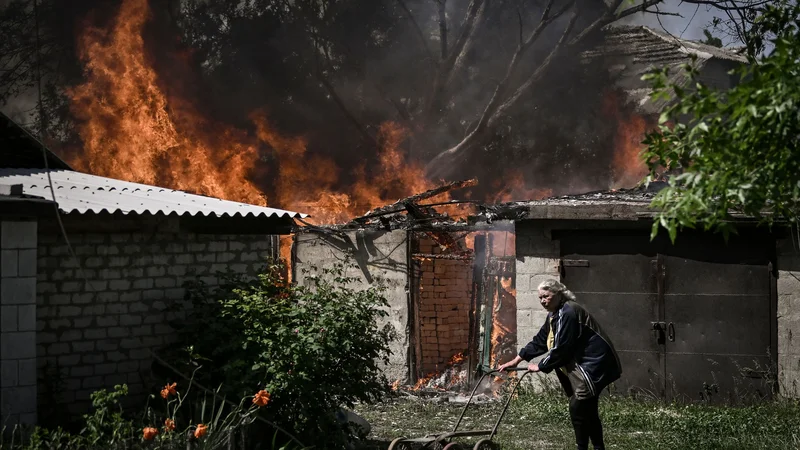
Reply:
x=314, y=348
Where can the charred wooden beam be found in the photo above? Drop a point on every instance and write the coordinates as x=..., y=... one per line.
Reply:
x=400, y=205
x=445, y=240
x=453, y=256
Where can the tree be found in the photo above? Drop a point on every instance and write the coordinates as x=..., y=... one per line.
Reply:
x=737, y=150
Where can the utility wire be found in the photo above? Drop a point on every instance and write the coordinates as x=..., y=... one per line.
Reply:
x=42, y=138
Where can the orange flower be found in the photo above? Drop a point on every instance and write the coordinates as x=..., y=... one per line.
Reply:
x=149, y=433
x=261, y=398
x=169, y=424
x=200, y=431
x=169, y=390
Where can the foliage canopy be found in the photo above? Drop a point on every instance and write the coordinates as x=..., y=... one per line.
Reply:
x=736, y=150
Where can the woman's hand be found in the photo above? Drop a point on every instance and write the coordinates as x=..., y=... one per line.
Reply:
x=533, y=367
x=512, y=363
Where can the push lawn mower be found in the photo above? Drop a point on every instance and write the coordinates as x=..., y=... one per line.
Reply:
x=441, y=441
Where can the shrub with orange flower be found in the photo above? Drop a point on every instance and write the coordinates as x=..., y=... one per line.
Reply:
x=169, y=424
x=149, y=433
x=261, y=398
x=200, y=431
x=169, y=390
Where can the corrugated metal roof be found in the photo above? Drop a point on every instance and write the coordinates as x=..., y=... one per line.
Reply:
x=82, y=193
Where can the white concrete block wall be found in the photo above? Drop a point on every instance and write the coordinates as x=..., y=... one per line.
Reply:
x=98, y=335
x=788, y=319
x=18, y=243
x=537, y=260
x=387, y=259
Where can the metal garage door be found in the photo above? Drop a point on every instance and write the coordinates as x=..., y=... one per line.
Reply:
x=686, y=325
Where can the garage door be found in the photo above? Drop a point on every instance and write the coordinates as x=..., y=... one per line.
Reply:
x=692, y=322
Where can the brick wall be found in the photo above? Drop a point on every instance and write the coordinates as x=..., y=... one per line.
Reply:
x=445, y=287
x=100, y=335
x=17, y=323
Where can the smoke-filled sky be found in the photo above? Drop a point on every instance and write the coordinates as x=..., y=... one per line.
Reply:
x=690, y=26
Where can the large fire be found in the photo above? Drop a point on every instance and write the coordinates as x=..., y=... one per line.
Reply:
x=134, y=127
x=132, y=130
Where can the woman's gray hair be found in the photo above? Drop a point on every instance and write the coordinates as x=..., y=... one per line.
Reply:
x=556, y=287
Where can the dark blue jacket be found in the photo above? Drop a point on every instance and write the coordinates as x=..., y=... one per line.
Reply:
x=578, y=339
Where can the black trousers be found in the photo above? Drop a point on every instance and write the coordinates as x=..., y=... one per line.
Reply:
x=586, y=422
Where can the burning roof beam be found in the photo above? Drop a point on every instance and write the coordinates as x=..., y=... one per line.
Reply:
x=400, y=205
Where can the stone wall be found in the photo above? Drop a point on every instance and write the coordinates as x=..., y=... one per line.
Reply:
x=789, y=318
x=369, y=255
x=97, y=334
x=445, y=288
x=17, y=323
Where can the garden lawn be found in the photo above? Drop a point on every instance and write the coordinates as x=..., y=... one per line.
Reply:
x=542, y=421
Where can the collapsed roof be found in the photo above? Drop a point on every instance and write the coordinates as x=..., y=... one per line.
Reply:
x=632, y=51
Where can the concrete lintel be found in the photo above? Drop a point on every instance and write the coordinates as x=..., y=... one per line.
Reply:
x=584, y=211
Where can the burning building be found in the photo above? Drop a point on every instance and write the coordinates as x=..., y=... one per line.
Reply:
x=461, y=292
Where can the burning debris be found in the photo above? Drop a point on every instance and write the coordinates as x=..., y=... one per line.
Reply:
x=448, y=385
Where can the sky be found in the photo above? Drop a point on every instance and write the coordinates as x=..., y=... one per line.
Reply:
x=689, y=26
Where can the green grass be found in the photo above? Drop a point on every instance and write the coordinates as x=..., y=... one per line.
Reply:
x=542, y=421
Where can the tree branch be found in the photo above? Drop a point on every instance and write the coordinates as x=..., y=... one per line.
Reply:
x=537, y=74
x=604, y=20
x=638, y=8
x=720, y=4
x=662, y=13
x=455, y=56
x=498, y=104
x=335, y=96
x=442, y=28
x=346, y=111
x=418, y=30
x=498, y=97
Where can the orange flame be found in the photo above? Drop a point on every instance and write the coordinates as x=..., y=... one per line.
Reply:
x=503, y=320
x=132, y=131
x=514, y=188
x=627, y=168
x=452, y=369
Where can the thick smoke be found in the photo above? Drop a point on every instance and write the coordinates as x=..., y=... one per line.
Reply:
x=335, y=72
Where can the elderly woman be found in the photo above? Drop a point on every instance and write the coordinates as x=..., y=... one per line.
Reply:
x=586, y=362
